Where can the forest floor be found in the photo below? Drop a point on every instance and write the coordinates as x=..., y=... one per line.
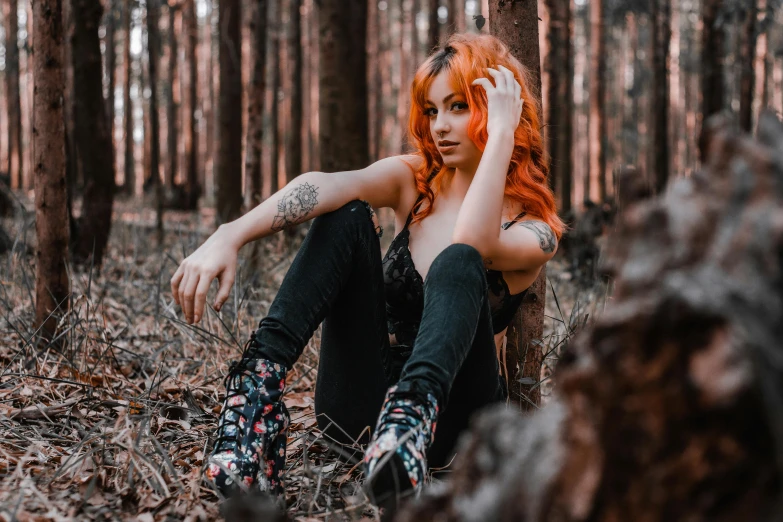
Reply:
x=116, y=425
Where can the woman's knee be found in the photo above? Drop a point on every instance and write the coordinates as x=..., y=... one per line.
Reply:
x=457, y=259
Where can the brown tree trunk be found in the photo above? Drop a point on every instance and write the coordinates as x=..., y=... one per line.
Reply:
x=293, y=146
x=433, y=33
x=403, y=94
x=153, y=53
x=661, y=33
x=172, y=105
x=193, y=188
x=712, y=65
x=516, y=25
x=274, y=109
x=15, y=161
x=255, y=101
x=747, y=59
x=597, y=101
x=92, y=136
x=51, y=210
x=111, y=65
x=565, y=130
x=229, y=154
x=127, y=104
x=343, y=85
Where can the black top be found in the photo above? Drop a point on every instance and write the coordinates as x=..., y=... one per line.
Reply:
x=404, y=288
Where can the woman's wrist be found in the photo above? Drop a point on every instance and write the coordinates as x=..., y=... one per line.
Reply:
x=232, y=234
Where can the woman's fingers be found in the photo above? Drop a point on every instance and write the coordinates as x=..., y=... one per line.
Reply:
x=175, y=281
x=500, y=79
x=181, y=290
x=226, y=280
x=484, y=82
x=201, y=298
x=190, y=293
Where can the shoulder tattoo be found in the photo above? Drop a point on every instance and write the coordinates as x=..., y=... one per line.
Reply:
x=295, y=205
x=546, y=238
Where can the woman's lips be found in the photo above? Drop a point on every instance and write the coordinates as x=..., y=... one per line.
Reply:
x=447, y=148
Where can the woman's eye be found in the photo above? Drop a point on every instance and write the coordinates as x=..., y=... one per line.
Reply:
x=462, y=105
x=428, y=112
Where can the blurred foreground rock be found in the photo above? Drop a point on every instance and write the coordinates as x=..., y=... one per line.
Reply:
x=669, y=406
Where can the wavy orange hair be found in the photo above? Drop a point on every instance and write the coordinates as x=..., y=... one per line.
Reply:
x=465, y=58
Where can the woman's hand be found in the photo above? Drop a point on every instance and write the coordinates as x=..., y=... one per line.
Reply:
x=216, y=258
x=504, y=102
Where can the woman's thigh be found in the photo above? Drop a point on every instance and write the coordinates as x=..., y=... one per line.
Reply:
x=354, y=355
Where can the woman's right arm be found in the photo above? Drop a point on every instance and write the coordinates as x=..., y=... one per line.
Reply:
x=311, y=194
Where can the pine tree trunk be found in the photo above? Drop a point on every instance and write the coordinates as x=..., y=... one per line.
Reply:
x=92, y=135
x=597, y=101
x=433, y=33
x=229, y=155
x=343, y=86
x=274, y=109
x=255, y=101
x=127, y=105
x=51, y=210
x=293, y=154
x=111, y=65
x=516, y=25
x=193, y=188
x=153, y=52
x=172, y=105
x=14, y=101
x=747, y=59
x=712, y=65
x=565, y=130
x=661, y=33
x=403, y=94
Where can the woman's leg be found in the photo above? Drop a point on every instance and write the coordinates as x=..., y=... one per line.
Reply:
x=336, y=278
x=454, y=355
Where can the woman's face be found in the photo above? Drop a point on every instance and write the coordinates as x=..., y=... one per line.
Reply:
x=449, y=115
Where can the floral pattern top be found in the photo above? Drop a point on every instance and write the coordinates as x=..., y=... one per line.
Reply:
x=404, y=288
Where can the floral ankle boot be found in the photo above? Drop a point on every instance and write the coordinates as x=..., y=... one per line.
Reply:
x=251, y=434
x=395, y=461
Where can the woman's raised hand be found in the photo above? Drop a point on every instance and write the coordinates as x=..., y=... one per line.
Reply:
x=504, y=100
x=216, y=258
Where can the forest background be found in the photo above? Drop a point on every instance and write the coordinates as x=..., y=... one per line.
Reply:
x=181, y=115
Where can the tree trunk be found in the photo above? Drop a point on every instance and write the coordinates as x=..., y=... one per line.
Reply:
x=433, y=33
x=661, y=33
x=597, y=100
x=14, y=101
x=127, y=104
x=274, y=109
x=153, y=53
x=712, y=65
x=92, y=136
x=255, y=101
x=747, y=59
x=229, y=154
x=403, y=94
x=293, y=154
x=565, y=131
x=51, y=210
x=193, y=188
x=172, y=105
x=343, y=86
x=516, y=25
x=111, y=65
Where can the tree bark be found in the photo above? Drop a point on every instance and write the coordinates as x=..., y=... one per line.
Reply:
x=51, y=210
x=597, y=101
x=661, y=33
x=565, y=131
x=654, y=398
x=172, y=105
x=127, y=104
x=403, y=94
x=343, y=86
x=293, y=154
x=193, y=189
x=153, y=53
x=516, y=25
x=274, y=109
x=229, y=154
x=15, y=160
x=747, y=60
x=712, y=65
x=255, y=101
x=92, y=136
x=433, y=33
x=111, y=65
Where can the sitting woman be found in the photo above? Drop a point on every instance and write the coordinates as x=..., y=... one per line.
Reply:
x=409, y=341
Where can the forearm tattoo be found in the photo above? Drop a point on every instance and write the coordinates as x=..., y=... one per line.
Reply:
x=546, y=238
x=294, y=206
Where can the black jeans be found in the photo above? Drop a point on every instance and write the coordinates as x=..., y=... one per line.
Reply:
x=336, y=278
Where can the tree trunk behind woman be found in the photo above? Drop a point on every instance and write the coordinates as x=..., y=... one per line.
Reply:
x=51, y=211
x=661, y=36
x=747, y=59
x=712, y=65
x=516, y=24
x=14, y=101
x=255, y=101
x=153, y=52
x=293, y=146
x=92, y=135
x=172, y=105
x=127, y=104
x=193, y=188
x=597, y=90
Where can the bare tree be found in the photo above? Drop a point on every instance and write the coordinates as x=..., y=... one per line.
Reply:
x=661, y=36
x=229, y=154
x=433, y=33
x=748, y=39
x=172, y=90
x=255, y=101
x=111, y=65
x=51, y=210
x=153, y=53
x=293, y=146
x=15, y=160
x=597, y=100
x=276, y=13
x=516, y=24
x=127, y=103
x=191, y=125
x=712, y=64
x=93, y=141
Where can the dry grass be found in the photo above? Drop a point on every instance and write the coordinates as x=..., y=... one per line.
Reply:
x=116, y=425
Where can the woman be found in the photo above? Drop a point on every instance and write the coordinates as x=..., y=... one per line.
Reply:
x=413, y=335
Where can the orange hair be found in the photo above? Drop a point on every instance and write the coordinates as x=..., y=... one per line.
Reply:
x=464, y=58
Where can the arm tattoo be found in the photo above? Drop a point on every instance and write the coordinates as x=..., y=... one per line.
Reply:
x=294, y=206
x=546, y=238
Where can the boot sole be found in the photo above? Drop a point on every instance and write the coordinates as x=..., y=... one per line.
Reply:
x=389, y=487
